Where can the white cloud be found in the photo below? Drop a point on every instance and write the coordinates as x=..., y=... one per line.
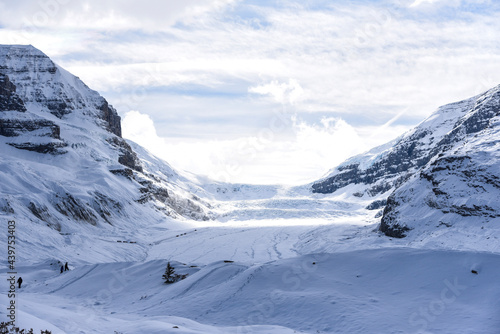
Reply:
x=104, y=14
x=453, y=3
x=265, y=158
x=419, y=2
x=284, y=93
x=348, y=60
x=140, y=128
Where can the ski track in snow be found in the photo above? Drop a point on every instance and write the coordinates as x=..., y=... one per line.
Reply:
x=74, y=280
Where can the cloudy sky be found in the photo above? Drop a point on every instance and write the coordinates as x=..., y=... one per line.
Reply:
x=266, y=91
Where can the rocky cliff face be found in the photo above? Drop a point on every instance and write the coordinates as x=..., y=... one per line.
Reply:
x=63, y=158
x=9, y=100
x=15, y=121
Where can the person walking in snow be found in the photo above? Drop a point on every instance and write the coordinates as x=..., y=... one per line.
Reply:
x=66, y=267
x=62, y=269
x=19, y=282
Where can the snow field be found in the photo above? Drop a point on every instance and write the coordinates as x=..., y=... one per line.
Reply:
x=392, y=290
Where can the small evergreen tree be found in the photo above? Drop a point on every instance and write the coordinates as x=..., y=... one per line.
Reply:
x=169, y=276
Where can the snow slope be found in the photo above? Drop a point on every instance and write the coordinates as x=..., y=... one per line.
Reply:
x=388, y=290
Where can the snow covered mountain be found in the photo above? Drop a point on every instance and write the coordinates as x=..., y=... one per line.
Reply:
x=384, y=168
x=68, y=176
x=444, y=170
x=63, y=159
x=459, y=186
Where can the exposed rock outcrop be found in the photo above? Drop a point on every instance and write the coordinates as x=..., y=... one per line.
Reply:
x=17, y=127
x=9, y=100
x=110, y=116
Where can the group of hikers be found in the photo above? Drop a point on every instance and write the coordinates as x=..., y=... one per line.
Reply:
x=64, y=268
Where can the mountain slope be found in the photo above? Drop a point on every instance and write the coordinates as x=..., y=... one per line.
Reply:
x=442, y=173
x=460, y=185
x=64, y=163
x=384, y=168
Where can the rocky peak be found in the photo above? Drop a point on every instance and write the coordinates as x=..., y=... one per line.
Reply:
x=383, y=169
x=39, y=81
x=477, y=117
x=63, y=153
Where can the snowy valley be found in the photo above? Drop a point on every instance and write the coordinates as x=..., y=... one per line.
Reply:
x=401, y=239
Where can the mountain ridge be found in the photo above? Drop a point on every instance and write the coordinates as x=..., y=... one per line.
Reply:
x=461, y=183
x=63, y=158
x=382, y=172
